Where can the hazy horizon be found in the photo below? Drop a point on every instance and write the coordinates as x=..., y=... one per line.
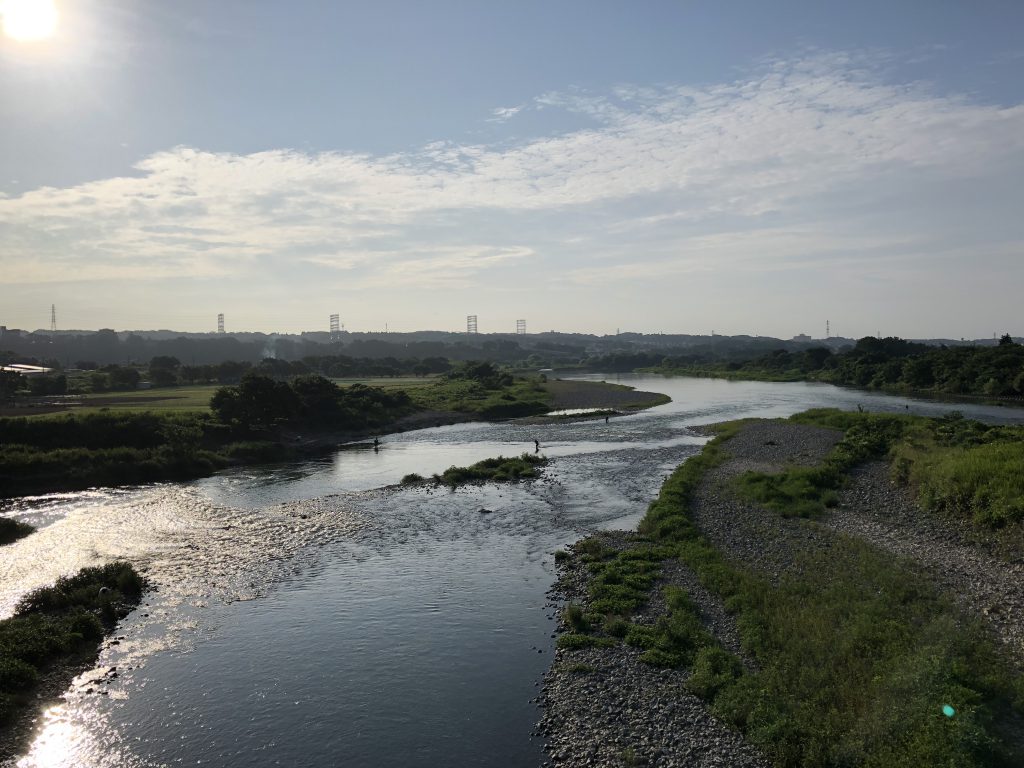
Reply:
x=586, y=166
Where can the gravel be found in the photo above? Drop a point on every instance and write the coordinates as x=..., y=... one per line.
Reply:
x=746, y=532
x=877, y=510
x=603, y=707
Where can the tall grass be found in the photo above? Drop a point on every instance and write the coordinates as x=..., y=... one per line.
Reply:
x=966, y=469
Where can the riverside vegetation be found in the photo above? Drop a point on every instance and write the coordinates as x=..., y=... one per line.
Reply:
x=888, y=364
x=62, y=625
x=499, y=469
x=260, y=419
x=847, y=656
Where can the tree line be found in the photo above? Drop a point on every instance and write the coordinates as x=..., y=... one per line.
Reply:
x=887, y=363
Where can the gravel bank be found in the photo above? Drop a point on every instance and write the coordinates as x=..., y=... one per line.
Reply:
x=599, y=394
x=875, y=509
x=603, y=707
x=747, y=532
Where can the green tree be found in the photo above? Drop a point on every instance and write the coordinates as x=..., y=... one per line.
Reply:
x=257, y=402
x=10, y=383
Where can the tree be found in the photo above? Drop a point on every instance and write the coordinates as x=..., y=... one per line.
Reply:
x=257, y=402
x=317, y=399
x=1006, y=340
x=10, y=382
x=122, y=378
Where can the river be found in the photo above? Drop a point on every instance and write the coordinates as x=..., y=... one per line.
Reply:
x=318, y=614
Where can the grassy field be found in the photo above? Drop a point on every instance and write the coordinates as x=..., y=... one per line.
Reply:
x=522, y=397
x=192, y=399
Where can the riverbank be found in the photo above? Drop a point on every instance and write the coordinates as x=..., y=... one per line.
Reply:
x=816, y=377
x=55, y=635
x=771, y=639
x=75, y=452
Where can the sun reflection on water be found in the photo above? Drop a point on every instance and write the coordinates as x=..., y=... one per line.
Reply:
x=58, y=743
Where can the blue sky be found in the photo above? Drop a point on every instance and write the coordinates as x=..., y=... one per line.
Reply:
x=746, y=167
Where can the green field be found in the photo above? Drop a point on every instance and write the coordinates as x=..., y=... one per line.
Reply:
x=193, y=399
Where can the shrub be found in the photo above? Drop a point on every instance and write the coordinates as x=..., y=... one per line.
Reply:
x=12, y=530
x=573, y=616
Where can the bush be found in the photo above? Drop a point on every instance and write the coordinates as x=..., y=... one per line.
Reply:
x=52, y=622
x=576, y=641
x=713, y=669
x=499, y=469
x=573, y=616
x=12, y=530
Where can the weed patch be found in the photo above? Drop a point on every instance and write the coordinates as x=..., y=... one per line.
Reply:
x=808, y=491
x=54, y=622
x=498, y=469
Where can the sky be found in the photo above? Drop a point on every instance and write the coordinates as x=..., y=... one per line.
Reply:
x=588, y=166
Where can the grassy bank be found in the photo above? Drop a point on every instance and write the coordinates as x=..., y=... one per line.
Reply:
x=60, y=623
x=259, y=420
x=856, y=654
x=958, y=468
x=66, y=452
x=569, y=394
x=498, y=397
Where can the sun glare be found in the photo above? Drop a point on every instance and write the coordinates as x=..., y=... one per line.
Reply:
x=27, y=20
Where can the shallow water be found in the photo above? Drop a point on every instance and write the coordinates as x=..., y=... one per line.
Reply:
x=316, y=613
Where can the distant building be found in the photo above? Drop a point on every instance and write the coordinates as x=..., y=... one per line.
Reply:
x=802, y=338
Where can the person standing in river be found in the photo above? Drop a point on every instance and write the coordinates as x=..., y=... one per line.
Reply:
x=537, y=444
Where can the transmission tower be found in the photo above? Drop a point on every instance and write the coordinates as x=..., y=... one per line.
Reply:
x=520, y=327
x=220, y=323
x=53, y=317
x=827, y=335
x=470, y=323
x=335, y=326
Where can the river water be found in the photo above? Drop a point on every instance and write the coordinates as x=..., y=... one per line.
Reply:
x=318, y=614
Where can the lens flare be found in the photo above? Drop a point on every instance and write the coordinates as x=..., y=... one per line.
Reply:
x=28, y=20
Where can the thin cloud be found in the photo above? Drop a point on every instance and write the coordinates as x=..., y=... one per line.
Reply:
x=504, y=114
x=801, y=143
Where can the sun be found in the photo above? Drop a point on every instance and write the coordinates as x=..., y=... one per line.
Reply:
x=27, y=20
